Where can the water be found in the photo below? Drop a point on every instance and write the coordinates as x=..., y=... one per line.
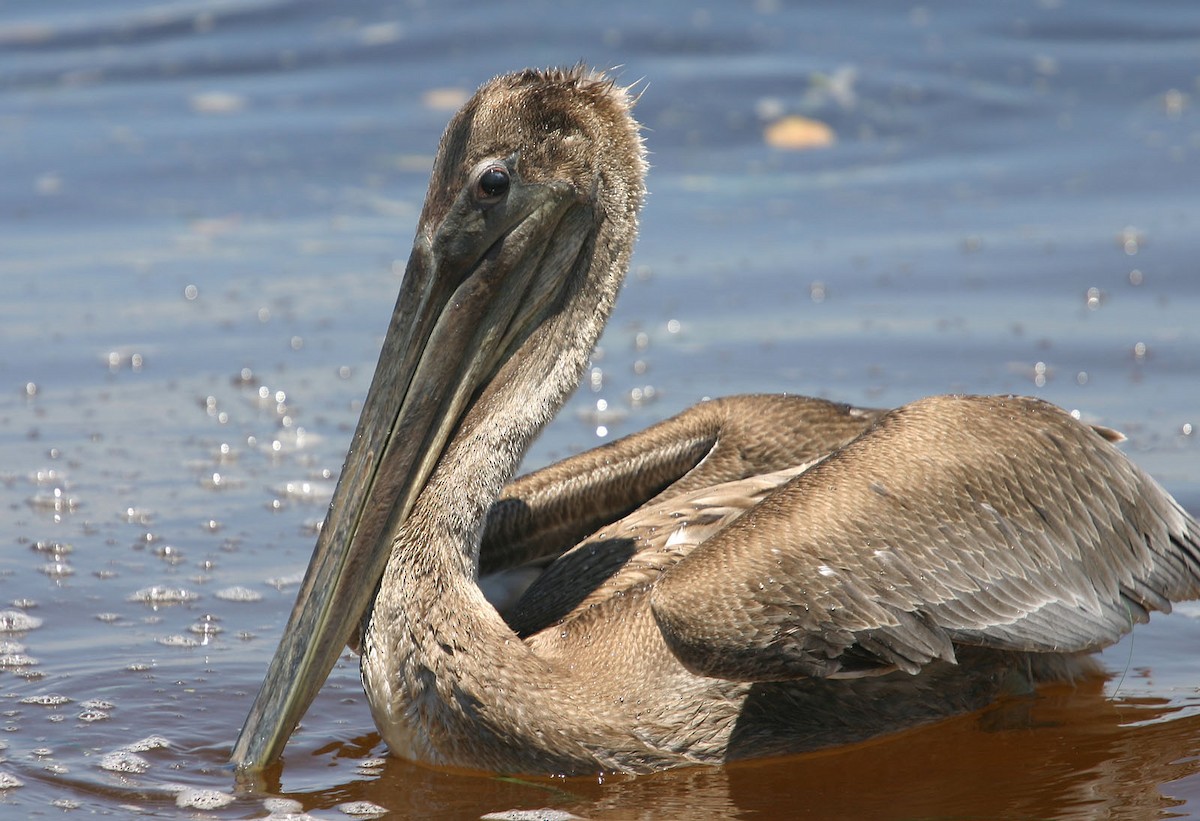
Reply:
x=204, y=212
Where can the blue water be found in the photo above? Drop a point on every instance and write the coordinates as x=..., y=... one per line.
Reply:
x=192, y=189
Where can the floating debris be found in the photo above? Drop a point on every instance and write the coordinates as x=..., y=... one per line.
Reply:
x=238, y=594
x=362, y=809
x=124, y=761
x=8, y=781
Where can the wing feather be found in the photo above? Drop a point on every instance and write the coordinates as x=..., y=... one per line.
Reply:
x=992, y=521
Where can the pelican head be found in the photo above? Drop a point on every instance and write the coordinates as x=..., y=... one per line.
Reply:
x=525, y=235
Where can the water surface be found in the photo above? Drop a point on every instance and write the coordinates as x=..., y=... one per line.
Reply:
x=205, y=210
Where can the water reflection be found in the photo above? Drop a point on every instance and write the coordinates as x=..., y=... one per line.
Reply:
x=1070, y=753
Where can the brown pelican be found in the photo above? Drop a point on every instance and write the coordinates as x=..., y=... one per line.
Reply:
x=759, y=575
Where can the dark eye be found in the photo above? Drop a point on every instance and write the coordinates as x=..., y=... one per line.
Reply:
x=493, y=183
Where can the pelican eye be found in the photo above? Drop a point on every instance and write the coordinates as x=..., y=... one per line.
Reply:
x=493, y=183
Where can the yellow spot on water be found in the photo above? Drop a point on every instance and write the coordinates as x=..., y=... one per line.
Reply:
x=795, y=133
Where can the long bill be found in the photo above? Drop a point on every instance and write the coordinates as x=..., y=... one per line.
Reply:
x=476, y=282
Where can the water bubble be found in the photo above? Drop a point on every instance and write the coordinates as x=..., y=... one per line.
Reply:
x=151, y=742
x=1174, y=101
x=47, y=700
x=238, y=594
x=124, y=761
x=206, y=626
x=531, y=815
x=673, y=326
x=280, y=582
x=46, y=476
x=1139, y=350
x=169, y=553
x=156, y=595
x=1136, y=277
x=1131, y=240
x=8, y=781
x=817, y=291
x=282, y=806
x=176, y=640
x=1040, y=374
x=54, y=548
x=137, y=516
x=16, y=660
x=89, y=716
x=57, y=570
x=190, y=292
x=371, y=766
x=56, y=501
x=306, y=491
x=14, y=621
x=1093, y=297
x=203, y=799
